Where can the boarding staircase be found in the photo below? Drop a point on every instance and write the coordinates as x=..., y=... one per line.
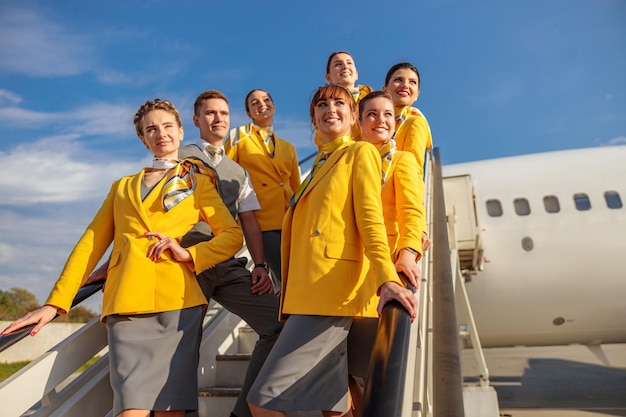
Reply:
x=415, y=367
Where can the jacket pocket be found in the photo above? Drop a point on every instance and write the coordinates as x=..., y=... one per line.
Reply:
x=343, y=251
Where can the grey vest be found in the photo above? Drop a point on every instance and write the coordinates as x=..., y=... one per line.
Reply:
x=230, y=177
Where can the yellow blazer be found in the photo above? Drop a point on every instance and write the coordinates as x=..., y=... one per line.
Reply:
x=135, y=284
x=274, y=179
x=403, y=204
x=334, y=236
x=414, y=136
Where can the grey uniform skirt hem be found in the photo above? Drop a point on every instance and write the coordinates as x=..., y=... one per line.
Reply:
x=153, y=359
x=307, y=368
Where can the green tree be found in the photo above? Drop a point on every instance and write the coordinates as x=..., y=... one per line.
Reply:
x=78, y=314
x=16, y=302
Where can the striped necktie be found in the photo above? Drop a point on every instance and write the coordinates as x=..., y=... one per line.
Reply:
x=215, y=153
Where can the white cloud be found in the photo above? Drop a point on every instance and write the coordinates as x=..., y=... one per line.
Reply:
x=9, y=96
x=7, y=253
x=35, y=246
x=95, y=119
x=54, y=170
x=104, y=119
x=620, y=140
x=18, y=117
x=31, y=44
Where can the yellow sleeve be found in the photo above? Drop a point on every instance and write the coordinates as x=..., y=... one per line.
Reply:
x=294, y=178
x=417, y=140
x=86, y=254
x=410, y=210
x=368, y=212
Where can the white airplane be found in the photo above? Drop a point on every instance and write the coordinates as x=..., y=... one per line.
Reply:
x=552, y=269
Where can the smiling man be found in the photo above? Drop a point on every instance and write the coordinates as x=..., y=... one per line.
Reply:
x=230, y=283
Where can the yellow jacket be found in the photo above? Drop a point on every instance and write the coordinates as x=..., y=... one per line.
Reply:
x=403, y=204
x=135, y=284
x=274, y=179
x=334, y=236
x=414, y=136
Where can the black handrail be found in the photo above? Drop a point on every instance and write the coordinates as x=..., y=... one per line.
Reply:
x=384, y=387
x=84, y=293
x=447, y=377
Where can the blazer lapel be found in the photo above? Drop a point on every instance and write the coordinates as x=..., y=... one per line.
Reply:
x=325, y=168
x=133, y=191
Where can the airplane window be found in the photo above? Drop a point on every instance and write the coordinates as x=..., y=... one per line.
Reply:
x=494, y=208
x=551, y=204
x=582, y=201
x=522, y=208
x=613, y=200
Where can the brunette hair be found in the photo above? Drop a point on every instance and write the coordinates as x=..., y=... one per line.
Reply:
x=403, y=65
x=370, y=96
x=207, y=95
x=150, y=105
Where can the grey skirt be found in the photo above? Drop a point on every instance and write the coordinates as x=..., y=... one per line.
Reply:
x=153, y=360
x=307, y=368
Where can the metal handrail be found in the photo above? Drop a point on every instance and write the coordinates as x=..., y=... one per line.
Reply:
x=447, y=377
x=400, y=367
x=85, y=292
x=384, y=389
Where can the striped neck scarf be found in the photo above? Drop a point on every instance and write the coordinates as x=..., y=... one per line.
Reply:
x=181, y=183
x=267, y=138
x=360, y=92
x=325, y=150
x=387, y=150
x=404, y=114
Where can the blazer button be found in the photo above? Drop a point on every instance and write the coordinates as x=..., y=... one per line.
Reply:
x=316, y=232
x=125, y=239
x=281, y=183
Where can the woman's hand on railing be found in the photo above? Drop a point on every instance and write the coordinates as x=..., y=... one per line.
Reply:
x=426, y=242
x=393, y=291
x=39, y=317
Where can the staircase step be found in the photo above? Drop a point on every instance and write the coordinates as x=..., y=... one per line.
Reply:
x=233, y=357
x=230, y=369
x=219, y=391
x=216, y=402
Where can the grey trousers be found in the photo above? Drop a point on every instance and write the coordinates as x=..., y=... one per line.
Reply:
x=271, y=246
x=229, y=284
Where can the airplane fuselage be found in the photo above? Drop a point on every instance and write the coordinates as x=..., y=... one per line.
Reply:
x=554, y=243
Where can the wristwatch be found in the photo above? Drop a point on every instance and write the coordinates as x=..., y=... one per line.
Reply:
x=413, y=251
x=263, y=265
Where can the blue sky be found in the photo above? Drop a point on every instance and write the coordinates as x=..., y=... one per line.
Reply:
x=499, y=78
